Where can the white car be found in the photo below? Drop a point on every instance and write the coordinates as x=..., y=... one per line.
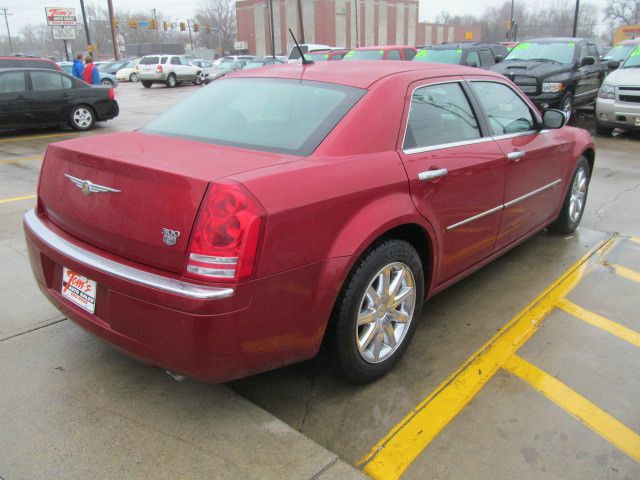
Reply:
x=294, y=53
x=128, y=72
x=618, y=103
x=168, y=69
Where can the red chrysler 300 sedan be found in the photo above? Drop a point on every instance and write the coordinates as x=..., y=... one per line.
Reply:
x=304, y=204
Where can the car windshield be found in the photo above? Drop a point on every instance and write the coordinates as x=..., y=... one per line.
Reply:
x=634, y=59
x=317, y=56
x=149, y=61
x=452, y=56
x=364, y=55
x=274, y=115
x=619, y=53
x=558, y=52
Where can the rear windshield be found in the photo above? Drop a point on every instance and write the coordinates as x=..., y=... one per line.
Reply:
x=619, y=52
x=149, y=60
x=452, y=56
x=364, y=55
x=274, y=115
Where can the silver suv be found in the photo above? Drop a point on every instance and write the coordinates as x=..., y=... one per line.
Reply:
x=168, y=69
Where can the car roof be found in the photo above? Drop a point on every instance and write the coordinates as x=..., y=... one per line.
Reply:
x=384, y=47
x=462, y=45
x=555, y=39
x=356, y=73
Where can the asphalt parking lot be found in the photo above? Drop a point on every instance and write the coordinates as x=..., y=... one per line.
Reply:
x=526, y=369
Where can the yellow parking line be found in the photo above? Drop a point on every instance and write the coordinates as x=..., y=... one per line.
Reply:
x=596, y=320
x=625, y=272
x=35, y=137
x=16, y=199
x=20, y=159
x=591, y=415
x=392, y=455
x=635, y=239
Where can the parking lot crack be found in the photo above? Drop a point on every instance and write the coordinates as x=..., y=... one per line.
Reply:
x=48, y=323
x=611, y=202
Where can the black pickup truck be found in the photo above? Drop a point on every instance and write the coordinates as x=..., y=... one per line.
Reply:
x=560, y=73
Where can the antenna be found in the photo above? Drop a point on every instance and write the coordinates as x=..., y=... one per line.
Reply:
x=304, y=60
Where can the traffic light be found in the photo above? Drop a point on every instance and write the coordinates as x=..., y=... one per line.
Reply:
x=196, y=27
x=153, y=24
x=116, y=23
x=183, y=26
x=165, y=25
x=508, y=25
x=133, y=23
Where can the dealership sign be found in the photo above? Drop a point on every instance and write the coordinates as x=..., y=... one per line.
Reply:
x=64, y=33
x=61, y=16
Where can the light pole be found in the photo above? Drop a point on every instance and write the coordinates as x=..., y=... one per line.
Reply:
x=6, y=21
x=273, y=37
x=575, y=19
x=86, y=24
x=511, y=32
x=113, y=30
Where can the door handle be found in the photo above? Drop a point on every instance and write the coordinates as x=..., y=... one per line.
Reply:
x=431, y=174
x=516, y=155
x=22, y=97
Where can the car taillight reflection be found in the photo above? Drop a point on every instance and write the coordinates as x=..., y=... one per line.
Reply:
x=159, y=69
x=112, y=93
x=225, y=239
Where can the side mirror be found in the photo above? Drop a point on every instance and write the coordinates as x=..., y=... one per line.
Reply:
x=613, y=64
x=553, y=118
x=587, y=61
x=499, y=58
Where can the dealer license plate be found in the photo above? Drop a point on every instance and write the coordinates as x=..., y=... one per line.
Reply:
x=79, y=289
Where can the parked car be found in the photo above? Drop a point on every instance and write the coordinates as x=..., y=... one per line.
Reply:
x=28, y=62
x=235, y=58
x=279, y=59
x=293, y=210
x=106, y=79
x=225, y=67
x=471, y=54
x=327, y=55
x=294, y=53
x=127, y=72
x=618, y=103
x=44, y=97
x=508, y=45
x=171, y=70
x=382, y=52
x=555, y=72
x=621, y=51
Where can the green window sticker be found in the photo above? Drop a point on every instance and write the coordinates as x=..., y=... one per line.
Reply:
x=349, y=54
x=636, y=52
x=381, y=52
x=572, y=44
x=421, y=53
x=325, y=56
x=521, y=46
x=459, y=50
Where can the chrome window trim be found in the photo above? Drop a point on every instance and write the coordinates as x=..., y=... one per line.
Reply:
x=441, y=146
x=119, y=270
x=504, y=205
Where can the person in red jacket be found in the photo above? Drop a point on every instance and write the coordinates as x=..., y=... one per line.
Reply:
x=91, y=75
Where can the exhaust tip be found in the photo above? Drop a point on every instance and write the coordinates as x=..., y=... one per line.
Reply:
x=176, y=376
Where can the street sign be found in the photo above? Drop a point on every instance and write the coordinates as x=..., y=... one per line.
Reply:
x=64, y=33
x=143, y=24
x=60, y=16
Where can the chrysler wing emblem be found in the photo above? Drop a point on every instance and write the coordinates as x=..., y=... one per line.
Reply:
x=170, y=237
x=89, y=187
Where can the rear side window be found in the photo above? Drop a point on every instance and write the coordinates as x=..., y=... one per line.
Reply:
x=506, y=111
x=274, y=115
x=184, y=61
x=486, y=57
x=163, y=60
x=409, y=53
x=439, y=114
x=473, y=59
x=45, y=81
x=67, y=82
x=394, y=55
x=149, y=61
x=175, y=61
x=12, y=82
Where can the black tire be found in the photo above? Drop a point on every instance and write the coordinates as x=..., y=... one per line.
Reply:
x=171, y=81
x=133, y=77
x=82, y=118
x=106, y=82
x=603, y=131
x=566, y=221
x=146, y=84
x=198, y=79
x=342, y=340
x=567, y=105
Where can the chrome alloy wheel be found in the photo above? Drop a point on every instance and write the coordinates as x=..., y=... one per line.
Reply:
x=386, y=311
x=578, y=194
x=82, y=117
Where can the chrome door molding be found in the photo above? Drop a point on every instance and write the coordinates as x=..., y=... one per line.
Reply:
x=504, y=205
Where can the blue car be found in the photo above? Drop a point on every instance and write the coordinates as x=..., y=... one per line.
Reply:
x=106, y=79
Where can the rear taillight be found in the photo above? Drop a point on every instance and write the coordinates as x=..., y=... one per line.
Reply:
x=159, y=69
x=224, y=242
x=112, y=93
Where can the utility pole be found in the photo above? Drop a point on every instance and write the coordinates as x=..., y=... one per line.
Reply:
x=5, y=12
x=511, y=32
x=86, y=24
x=575, y=19
x=190, y=37
x=301, y=21
x=355, y=2
x=113, y=30
x=273, y=38
x=155, y=19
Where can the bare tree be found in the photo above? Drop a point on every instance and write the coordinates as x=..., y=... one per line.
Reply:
x=622, y=12
x=220, y=16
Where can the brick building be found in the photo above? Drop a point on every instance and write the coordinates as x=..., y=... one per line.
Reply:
x=333, y=22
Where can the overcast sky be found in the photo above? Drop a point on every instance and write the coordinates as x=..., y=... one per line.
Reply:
x=32, y=11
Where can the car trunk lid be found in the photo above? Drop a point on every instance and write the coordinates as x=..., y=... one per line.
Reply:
x=153, y=187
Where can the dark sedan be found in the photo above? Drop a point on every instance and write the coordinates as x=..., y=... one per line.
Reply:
x=38, y=97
